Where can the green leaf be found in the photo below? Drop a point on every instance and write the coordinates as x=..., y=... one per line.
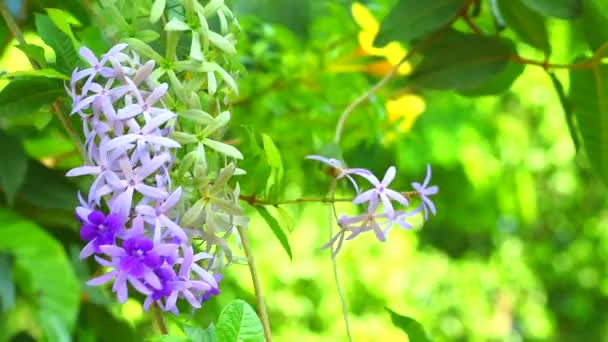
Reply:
x=276, y=229
x=239, y=322
x=414, y=330
x=222, y=148
x=48, y=73
x=176, y=25
x=14, y=166
x=147, y=36
x=527, y=24
x=7, y=284
x=50, y=281
x=66, y=56
x=498, y=84
x=564, y=9
x=594, y=20
x=411, y=19
x=589, y=99
x=198, y=334
x=144, y=50
x=285, y=219
x=34, y=52
x=27, y=94
x=459, y=61
x=63, y=21
x=272, y=152
x=48, y=188
x=157, y=10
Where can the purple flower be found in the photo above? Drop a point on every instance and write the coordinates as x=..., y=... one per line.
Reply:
x=166, y=276
x=135, y=262
x=381, y=191
x=98, y=230
x=397, y=218
x=97, y=66
x=342, y=171
x=191, y=280
x=424, y=191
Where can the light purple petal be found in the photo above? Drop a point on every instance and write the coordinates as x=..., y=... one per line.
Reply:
x=157, y=94
x=83, y=170
x=88, y=55
x=389, y=176
x=396, y=196
x=102, y=279
x=128, y=112
x=113, y=251
x=171, y=201
x=365, y=196
x=156, y=122
x=87, y=250
x=174, y=228
x=150, y=191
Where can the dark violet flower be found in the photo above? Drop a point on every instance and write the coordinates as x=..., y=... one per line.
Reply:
x=342, y=171
x=190, y=281
x=166, y=276
x=381, y=191
x=98, y=230
x=135, y=262
x=424, y=191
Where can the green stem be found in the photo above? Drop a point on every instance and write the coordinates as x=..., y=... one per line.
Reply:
x=334, y=263
x=259, y=296
x=160, y=320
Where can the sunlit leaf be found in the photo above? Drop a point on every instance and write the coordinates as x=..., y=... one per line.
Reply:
x=411, y=19
x=66, y=56
x=239, y=322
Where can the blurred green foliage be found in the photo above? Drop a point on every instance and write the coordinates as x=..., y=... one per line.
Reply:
x=518, y=250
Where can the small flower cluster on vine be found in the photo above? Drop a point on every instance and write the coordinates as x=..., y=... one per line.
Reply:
x=380, y=214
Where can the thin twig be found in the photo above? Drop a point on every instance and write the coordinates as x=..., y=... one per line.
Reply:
x=334, y=262
x=371, y=91
x=254, y=201
x=55, y=108
x=160, y=320
x=259, y=296
x=546, y=65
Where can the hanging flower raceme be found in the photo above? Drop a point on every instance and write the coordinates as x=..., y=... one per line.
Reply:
x=376, y=218
x=129, y=218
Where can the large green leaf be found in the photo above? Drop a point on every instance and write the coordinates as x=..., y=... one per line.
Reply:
x=589, y=99
x=239, y=322
x=460, y=61
x=527, y=24
x=595, y=22
x=25, y=95
x=276, y=229
x=47, y=188
x=14, y=165
x=564, y=9
x=498, y=84
x=414, y=330
x=46, y=275
x=411, y=19
x=66, y=56
x=7, y=284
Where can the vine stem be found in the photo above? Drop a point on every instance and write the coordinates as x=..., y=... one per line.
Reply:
x=334, y=262
x=56, y=108
x=160, y=320
x=259, y=296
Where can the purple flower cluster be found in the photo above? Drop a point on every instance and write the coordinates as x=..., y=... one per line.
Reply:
x=129, y=218
x=378, y=221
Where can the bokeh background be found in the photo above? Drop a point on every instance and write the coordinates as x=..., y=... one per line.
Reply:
x=518, y=249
